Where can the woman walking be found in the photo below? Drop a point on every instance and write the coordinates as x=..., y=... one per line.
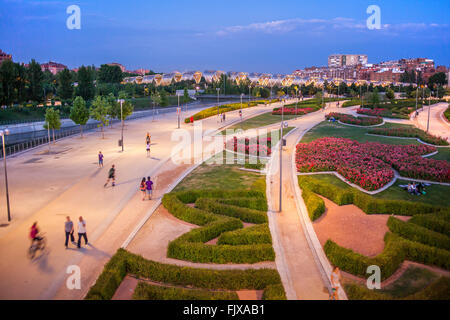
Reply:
x=148, y=149
x=143, y=188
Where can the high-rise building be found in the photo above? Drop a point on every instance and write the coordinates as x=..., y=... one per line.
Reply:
x=346, y=60
x=4, y=56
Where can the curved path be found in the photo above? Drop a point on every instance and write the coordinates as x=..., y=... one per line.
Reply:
x=438, y=126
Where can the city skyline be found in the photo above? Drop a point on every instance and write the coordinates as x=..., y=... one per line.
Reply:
x=255, y=33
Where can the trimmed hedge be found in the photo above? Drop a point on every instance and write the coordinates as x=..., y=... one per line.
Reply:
x=396, y=250
x=351, y=103
x=438, y=290
x=418, y=233
x=251, y=203
x=366, y=202
x=314, y=204
x=217, y=218
x=145, y=291
x=432, y=222
x=274, y=292
x=245, y=214
x=124, y=262
x=252, y=235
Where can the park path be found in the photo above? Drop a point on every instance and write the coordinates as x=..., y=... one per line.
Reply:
x=68, y=183
x=438, y=126
x=299, y=270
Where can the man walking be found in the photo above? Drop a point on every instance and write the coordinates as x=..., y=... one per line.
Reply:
x=68, y=228
x=82, y=232
x=149, y=185
x=111, y=176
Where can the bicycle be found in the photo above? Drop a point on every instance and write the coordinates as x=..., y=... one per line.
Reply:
x=36, y=246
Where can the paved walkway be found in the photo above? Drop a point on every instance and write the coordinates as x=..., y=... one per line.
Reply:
x=438, y=126
x=46, y=188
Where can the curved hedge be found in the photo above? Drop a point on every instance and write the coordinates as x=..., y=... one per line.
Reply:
x=432, y=222
x=396, y=250
x=216, y=218
x=124, y=262
x=314, y=204
x=252, y=235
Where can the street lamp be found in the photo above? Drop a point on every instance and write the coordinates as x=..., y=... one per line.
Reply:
x=121, y=118
x=241, y=105
x=217, y=89
x=281, y=155
x=3, y=133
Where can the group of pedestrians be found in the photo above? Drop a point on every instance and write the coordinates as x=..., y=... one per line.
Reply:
x=146, y=188
x=69, y=229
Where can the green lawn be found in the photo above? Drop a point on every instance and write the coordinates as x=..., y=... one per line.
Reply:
x=262, y=120
x=435, y=194
x=329, y=129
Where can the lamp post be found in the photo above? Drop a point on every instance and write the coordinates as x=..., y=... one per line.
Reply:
x=218, y=90
x=3, y=133
x=241, y=105
x=121, y=119
x=296, y=103
x=281, y=154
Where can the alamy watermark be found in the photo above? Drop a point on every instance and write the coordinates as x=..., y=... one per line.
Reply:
x=74, y=20
x=374, y=280
x=74, y=280
x=374, y=20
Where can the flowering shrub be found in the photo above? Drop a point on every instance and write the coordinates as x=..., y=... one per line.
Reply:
x=292, y=111
x=253, y=146
x=376, y=112
x=370, y=164
x=360, y=121
x=410, y=132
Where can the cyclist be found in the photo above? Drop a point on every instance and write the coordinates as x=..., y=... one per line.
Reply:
x=34, y=233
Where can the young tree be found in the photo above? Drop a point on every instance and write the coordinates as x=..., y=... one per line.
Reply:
x=99, y=112
x=390, y=94
x=52, y=121
x=164, y=99
x=79, y=113
x=156, y=98
x=127, y=106
x=185, y=96
x=65, y=87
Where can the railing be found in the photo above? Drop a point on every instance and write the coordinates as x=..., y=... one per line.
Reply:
x=41, y=137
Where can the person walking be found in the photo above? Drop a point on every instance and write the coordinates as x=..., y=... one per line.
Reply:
x=111, y=176
x=100, y=159
x=335, y=283
x=148, y=149
x=143, y=188
x=82, y=232
x=149, y=186
x=68, y=228
x=148, y=138
x=224, y=117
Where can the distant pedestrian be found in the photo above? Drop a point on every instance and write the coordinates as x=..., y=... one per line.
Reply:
x=240, y=114
x=149, y=185
x=143, y=188
x=100, y=159
x=224, y=117
x=148, y=138
x=111, y=176
x=192, y=119
x=82, y=232
x=148, y=149
x=68, y=228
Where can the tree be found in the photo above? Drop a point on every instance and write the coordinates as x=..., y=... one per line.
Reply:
x=79, y=113
x=127, y=106
x=7, y=77
x=35, y=77
x=52, y=121
x=99, y=112
x=65, y=87
x=390, y=94
x=156, y=98
x=85, y=87
x=185, y=96
x=164, y=99
x=374, y=97
x=109, y=74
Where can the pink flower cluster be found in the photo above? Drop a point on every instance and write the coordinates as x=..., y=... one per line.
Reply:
x=370, y=164
x=377, y=112
x=254, y=146
x=360, y=121
x=292, y=111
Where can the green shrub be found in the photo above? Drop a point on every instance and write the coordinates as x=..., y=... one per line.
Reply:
x=314, y=204
x=251, y=203
x=145, y=291
x=396, y=250
x=418, y=233
x=351, y=103
x=274, y=292
x=251, y=235
x=432, y=222
x=245, y=214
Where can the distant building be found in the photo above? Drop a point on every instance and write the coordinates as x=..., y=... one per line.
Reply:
x=4, y=56
x=141, y=71
x=53, y=67
x=117, y=64
x=346, y=60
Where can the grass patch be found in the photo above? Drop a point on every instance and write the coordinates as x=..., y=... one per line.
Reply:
x=262, y=120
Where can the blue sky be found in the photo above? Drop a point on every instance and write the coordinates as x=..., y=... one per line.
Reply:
x=245, y=35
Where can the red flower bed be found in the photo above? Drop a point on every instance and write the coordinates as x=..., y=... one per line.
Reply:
x=253, y=146
x=292, y=111
x=359, y=121
x=377, y=112
x=370, y=164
